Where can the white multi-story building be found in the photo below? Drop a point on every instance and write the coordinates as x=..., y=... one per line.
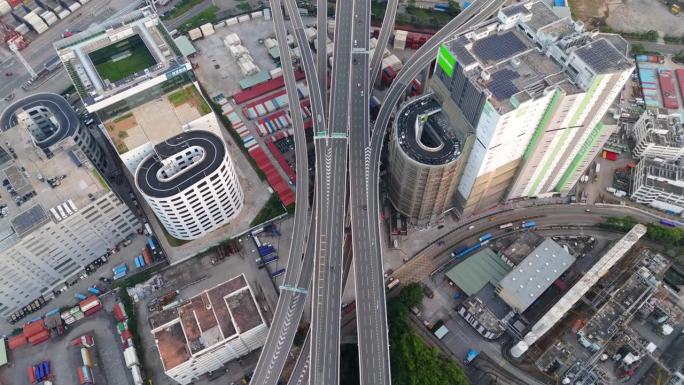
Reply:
x=58, y=214
x=149, y=115
x=190, y=183
x=658, y=135
x=534, y=88
x=659, y=183
x=205, y=332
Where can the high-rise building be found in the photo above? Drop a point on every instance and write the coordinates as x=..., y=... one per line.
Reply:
x=190, y=183
x=208, y=330
x=658, y=135
x=425, y=160
x=58, y=213
x=534, y=88
x=149, y=113
x=659, y=183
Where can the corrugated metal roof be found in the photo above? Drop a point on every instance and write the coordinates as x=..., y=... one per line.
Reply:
x=3, y=353
x=184, y=45
x=472, y=274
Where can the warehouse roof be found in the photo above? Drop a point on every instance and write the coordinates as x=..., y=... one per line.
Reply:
x=479, y=269
x=522, y=286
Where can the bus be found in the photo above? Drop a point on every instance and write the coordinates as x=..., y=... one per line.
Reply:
x=528, y=224
x=485, y=237
x=278, y=273
x=261, y=262
x=667, y=223
x=506, y=226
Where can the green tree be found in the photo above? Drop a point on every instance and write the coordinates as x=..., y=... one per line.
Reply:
x=679, y=57
x=411, y=295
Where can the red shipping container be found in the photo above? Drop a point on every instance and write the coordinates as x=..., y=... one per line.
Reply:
x=16, y=341
x=31, y=375
x=147, y=256
x=33, y=328
x=88, y=302
x=126, y=335
x=610, y=155
x=667, y=89
x=680, y=80
x=119, y=312
x=39, y=338
x=92, y=310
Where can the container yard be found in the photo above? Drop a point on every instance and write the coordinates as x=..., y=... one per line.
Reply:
x=661, y=83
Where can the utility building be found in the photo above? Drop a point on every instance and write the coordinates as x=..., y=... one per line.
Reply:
x=536, y=273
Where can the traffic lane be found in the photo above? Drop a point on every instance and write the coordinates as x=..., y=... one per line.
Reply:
x=383, y=37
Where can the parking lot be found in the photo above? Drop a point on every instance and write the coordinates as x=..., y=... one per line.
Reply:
x=108, y=361
x=125, y=255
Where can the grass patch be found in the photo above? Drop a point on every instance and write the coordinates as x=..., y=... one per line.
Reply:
x=206, y=16
x=271, y=209
x=181, y=8
x=173, y=241
x=113, y=68
x=100, y=179
x=190, y=95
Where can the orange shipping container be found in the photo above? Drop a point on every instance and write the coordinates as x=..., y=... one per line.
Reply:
x=39, y=337
x=33, y=328
x=16, y=341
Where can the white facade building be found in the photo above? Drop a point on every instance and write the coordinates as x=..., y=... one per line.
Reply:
x=659, y=184
x=219, y=325
x=58, y=214
x=191, y=184
x=658, y=135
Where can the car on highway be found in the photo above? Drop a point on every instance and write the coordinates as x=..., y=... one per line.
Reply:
x=471, y=227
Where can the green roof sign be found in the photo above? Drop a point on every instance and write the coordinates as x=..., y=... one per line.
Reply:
x=446, y=60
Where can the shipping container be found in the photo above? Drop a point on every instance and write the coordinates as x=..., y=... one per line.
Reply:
x=610, y=155
x=85, y=356
x=39, y=337
x=137, y=376
x=680, y=81
x=485, y=237
x=33, y=328
x=119, y=312
x=131, y=357
x=92, y=310
x=88, y=303
x=278, y=273
x=94, y=290
x=667, y=89
x=16, y=341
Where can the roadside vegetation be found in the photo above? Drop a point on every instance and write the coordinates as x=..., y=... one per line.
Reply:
x=206, y=16
x=413, y=361
x=182, y=7
x=271, y=209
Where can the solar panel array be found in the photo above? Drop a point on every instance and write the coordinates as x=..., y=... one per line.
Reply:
x=501, y=84
x=498, y=47
x=600, y=55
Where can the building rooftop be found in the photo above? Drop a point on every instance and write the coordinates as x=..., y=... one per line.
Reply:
x=666, y=176
x=662, y=129
x=120, y=54
x=205, y=320
x=39, y=176
x=179, y=162
x=522, y=247
x=512, y=67
x=531, y=277
x=424, y=133
x=477, y=270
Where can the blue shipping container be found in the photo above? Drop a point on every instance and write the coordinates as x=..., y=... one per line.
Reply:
x=559, y=3
x=94, y=290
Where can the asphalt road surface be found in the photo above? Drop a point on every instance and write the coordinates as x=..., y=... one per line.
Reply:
x=65, y=115
x=331, y=181
x=374, y=366
x=383, y=37
x=292, y=299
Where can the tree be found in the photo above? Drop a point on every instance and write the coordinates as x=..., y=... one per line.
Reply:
x=679, y=57
x=411, y=295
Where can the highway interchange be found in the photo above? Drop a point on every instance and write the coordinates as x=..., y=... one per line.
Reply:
x=344, y=140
